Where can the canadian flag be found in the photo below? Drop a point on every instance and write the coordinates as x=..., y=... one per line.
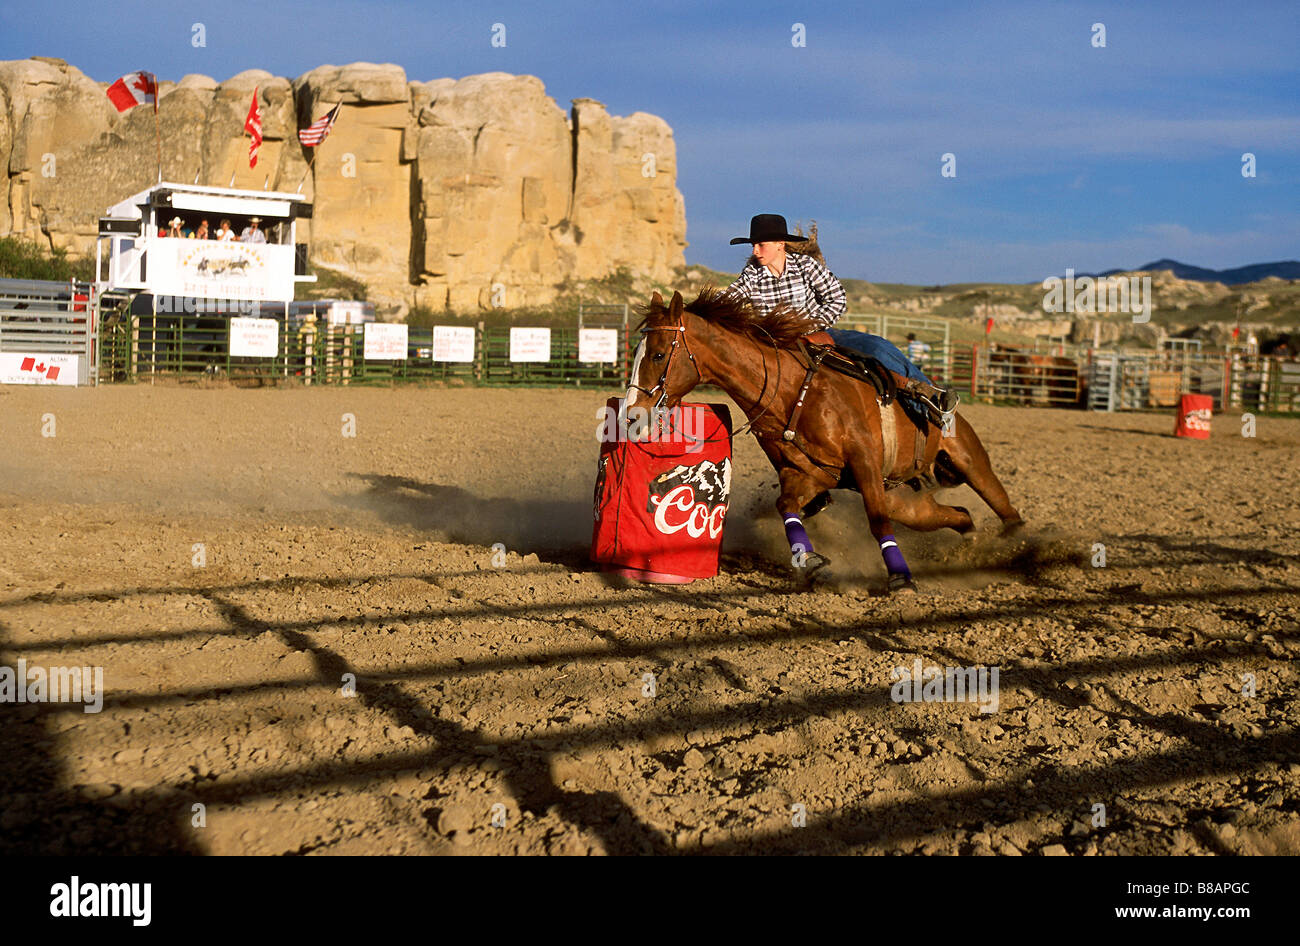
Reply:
x=134, y=89
x=51, y=373
x=253, y=125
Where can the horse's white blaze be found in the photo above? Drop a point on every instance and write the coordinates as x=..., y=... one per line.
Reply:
x=633, y=381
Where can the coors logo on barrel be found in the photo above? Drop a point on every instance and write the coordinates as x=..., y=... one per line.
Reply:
x=1197, y=419
x=693, y=498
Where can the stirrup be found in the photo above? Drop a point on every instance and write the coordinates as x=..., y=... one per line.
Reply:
x=948, y=418
x=944, y=418
x=948, y=424
x=933, y=410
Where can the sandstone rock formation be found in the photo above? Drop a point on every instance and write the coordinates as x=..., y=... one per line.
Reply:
x=450, y=193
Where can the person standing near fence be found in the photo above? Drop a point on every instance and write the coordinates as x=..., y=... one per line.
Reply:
x=917, y=350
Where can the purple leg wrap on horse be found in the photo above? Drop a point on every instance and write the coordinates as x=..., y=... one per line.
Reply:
x=893, y=557
x=796, y=534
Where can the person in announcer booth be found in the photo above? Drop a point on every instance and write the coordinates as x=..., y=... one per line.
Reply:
x=253, y=232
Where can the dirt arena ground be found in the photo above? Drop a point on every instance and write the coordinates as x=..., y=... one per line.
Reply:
x=232, y=561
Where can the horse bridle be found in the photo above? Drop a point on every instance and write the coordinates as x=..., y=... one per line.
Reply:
x=679, y=336
x=679, y=331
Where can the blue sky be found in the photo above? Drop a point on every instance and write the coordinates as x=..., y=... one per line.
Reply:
x=1066, y=155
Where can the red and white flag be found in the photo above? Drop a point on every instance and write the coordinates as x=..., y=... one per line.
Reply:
x=316, y=132
x=134, y=89
x=253, y=125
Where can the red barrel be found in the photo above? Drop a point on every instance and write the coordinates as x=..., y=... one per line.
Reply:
x=1194, y=412
x=661, y=502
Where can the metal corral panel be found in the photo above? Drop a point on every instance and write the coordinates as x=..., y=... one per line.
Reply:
x=47, y=333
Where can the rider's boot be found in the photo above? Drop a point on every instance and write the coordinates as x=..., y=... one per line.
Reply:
x=943, y=400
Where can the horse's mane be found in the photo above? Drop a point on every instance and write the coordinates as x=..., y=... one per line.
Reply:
x=783, y=325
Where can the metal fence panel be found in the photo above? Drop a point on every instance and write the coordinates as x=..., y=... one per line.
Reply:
x=147, y=346
x=1111, y=380
x=39, y=317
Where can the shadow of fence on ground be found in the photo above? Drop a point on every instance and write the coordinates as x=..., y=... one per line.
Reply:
x=44, y=815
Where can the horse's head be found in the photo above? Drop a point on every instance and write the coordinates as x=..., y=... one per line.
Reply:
x=663, y=370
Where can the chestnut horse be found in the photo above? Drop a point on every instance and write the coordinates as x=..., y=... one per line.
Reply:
x=842, y=437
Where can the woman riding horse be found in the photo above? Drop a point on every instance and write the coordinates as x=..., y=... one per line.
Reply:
x=773, y=276
x=849, y=437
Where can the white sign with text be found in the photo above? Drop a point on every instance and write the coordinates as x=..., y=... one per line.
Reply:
x=254, y=338
x=208, y=269
x=346, y=313
x=530, y=344
x=598, y=345
x=385, y=341
x=19, y=368
x=453, y=343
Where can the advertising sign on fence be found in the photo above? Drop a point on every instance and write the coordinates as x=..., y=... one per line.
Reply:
x=530, y=344
x=453, y=343
x=254, y=338
x=385, y=341
x=598, y=345
x=20, y=368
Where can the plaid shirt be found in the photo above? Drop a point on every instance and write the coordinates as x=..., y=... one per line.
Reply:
x=805, y=284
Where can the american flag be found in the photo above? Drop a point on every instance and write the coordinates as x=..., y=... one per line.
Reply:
x=253, y=125
x=315, y=133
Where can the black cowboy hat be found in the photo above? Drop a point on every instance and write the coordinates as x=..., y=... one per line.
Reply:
x=769, y=228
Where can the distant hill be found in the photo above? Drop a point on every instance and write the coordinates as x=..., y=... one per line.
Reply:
x=1287, y=269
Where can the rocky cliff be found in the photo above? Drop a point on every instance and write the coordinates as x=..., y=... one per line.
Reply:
x=452, y=193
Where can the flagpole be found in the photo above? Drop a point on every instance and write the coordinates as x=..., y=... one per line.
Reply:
x=310, y=159
x=157, y=131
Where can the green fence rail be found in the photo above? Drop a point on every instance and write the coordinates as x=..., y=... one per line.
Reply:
x=144, y=347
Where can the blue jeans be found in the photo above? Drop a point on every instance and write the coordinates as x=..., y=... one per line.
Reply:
x=881, y=349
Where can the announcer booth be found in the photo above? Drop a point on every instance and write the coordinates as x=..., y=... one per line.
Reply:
x=172, y=254
x=146, y=254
